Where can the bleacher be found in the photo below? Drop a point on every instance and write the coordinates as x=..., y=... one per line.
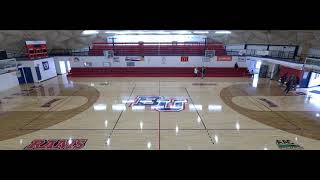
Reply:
x=154, y=72
x=157, y=49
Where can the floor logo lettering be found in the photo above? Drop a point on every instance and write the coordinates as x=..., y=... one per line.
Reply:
x=288, y=145
x=56, y=144
x=161, y=103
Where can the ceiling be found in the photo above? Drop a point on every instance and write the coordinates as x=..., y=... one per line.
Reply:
x=75, y=39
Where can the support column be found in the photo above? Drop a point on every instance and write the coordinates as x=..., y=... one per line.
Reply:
x=303, y=51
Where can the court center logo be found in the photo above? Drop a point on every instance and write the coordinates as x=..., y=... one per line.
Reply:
x=161, y=103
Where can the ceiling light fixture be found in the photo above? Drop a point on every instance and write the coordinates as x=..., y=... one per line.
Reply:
x=181, y=32
x=223, y=32
x=89, y=32
x=200, y=32
x=137, y=32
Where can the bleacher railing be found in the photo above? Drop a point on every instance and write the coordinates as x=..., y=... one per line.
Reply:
x=8, y=65
x=270, y=54
x=313, y=61
x=280, y=55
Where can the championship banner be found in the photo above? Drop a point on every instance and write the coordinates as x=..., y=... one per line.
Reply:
x=241, y=59
x=74, y=59
x=262, y=53
x=242, y=52
x=134, y=58
x=224, y=58
x=116, y=59
x=205, y=59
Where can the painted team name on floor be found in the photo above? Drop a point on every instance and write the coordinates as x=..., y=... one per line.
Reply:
x=104, y=84
x=160, y=103
x=56, y=144
x=288, y=145
x=48, y=104
x=270, y=103
x=204, y=84
x=300, y=93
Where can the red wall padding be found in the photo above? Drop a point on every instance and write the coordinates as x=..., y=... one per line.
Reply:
x=290, y=71
x=154, y=72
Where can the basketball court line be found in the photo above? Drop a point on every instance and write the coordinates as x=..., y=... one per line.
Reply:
x=162, y=129
x=159, y=133
x=275, y=112
x=200, y=117
x=269, y=109
x=63, y=100
x=254, y=103
x=121, y=112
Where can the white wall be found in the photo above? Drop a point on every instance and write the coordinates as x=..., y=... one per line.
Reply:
x=235, y=47
x=314, y=80
x=45, y=74
x=151, y=61
x=8, y=80
x=283, y=63
x=314, y=51
x=57, y=64
x=257, y=47
x=282, y=48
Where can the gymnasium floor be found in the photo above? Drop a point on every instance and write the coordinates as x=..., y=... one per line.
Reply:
x=115, y=114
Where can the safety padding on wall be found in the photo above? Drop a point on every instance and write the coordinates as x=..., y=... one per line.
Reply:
x=154, y=72
x=290, y=71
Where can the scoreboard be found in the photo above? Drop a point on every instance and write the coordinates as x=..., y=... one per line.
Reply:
x=36, y=49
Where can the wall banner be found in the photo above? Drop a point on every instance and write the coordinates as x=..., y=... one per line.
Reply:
x=134, y=58
x=224, y=58
x=184, y=59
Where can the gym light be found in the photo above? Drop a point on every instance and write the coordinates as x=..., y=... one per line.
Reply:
x=137, y=32
x=223, y=32
x=153, y=32
x=100, y=107
x=181, y=32
x=89, y=32
x=200, y=32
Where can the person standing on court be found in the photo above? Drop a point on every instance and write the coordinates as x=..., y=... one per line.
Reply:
x=283, y=79
x=289, y=84
x=203, y=71
x=236, y=66
x=195, y=72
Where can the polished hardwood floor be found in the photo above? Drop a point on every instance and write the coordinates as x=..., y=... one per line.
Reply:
x=158, y=114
